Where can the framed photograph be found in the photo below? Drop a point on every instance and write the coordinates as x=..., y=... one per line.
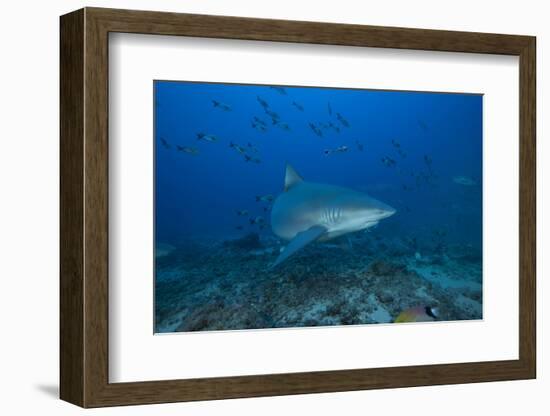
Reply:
x=255, y=207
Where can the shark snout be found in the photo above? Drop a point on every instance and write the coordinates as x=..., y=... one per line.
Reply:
x=385, y=212
x=390, y=213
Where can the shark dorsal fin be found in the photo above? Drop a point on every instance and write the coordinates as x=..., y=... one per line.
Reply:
x=291, y=177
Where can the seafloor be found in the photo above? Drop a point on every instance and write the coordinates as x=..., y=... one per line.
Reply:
x=204, y=285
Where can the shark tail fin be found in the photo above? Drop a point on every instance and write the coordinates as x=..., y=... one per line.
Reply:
x=291, y=177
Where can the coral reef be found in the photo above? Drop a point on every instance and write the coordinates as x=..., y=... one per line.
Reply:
x=228, y=285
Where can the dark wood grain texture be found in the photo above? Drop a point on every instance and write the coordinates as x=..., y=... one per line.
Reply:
x=527, y=208
x=84, y=207
x=71, y=100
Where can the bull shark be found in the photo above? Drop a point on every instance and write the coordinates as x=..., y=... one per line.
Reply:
x=306, y=212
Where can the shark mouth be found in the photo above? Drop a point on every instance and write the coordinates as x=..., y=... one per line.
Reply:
x=370, y=224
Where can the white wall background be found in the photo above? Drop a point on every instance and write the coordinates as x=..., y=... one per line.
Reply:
x=29, y=206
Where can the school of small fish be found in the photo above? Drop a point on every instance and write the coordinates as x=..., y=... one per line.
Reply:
x=335, y=123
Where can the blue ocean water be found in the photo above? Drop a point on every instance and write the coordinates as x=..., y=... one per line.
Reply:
x=218, y=147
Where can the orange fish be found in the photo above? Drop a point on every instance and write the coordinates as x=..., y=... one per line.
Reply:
x=418, y=314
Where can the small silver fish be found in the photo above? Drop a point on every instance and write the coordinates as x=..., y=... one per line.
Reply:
x=265, y=198
x=207, y=137
x=342, y=120
x=298, y=106
x=259, y=127
x=316, y=129
x=260, y=121
x=242, y=213
x=464, y=180
x=221, y=106
x=282, y=125
x=188, y=150
x=340, y=149
x=249, y=158
x=252, y=148
x=257, y=220
x=274, y=116
x=165, y=143
x=388, y=161
x=280, y=90
x=262, y=102
x=238, y=148
x=333, y=127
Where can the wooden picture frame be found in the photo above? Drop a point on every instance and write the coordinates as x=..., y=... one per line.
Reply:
x=84, y=207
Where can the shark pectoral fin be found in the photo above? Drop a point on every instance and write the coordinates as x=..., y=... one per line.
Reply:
x=300, y=240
